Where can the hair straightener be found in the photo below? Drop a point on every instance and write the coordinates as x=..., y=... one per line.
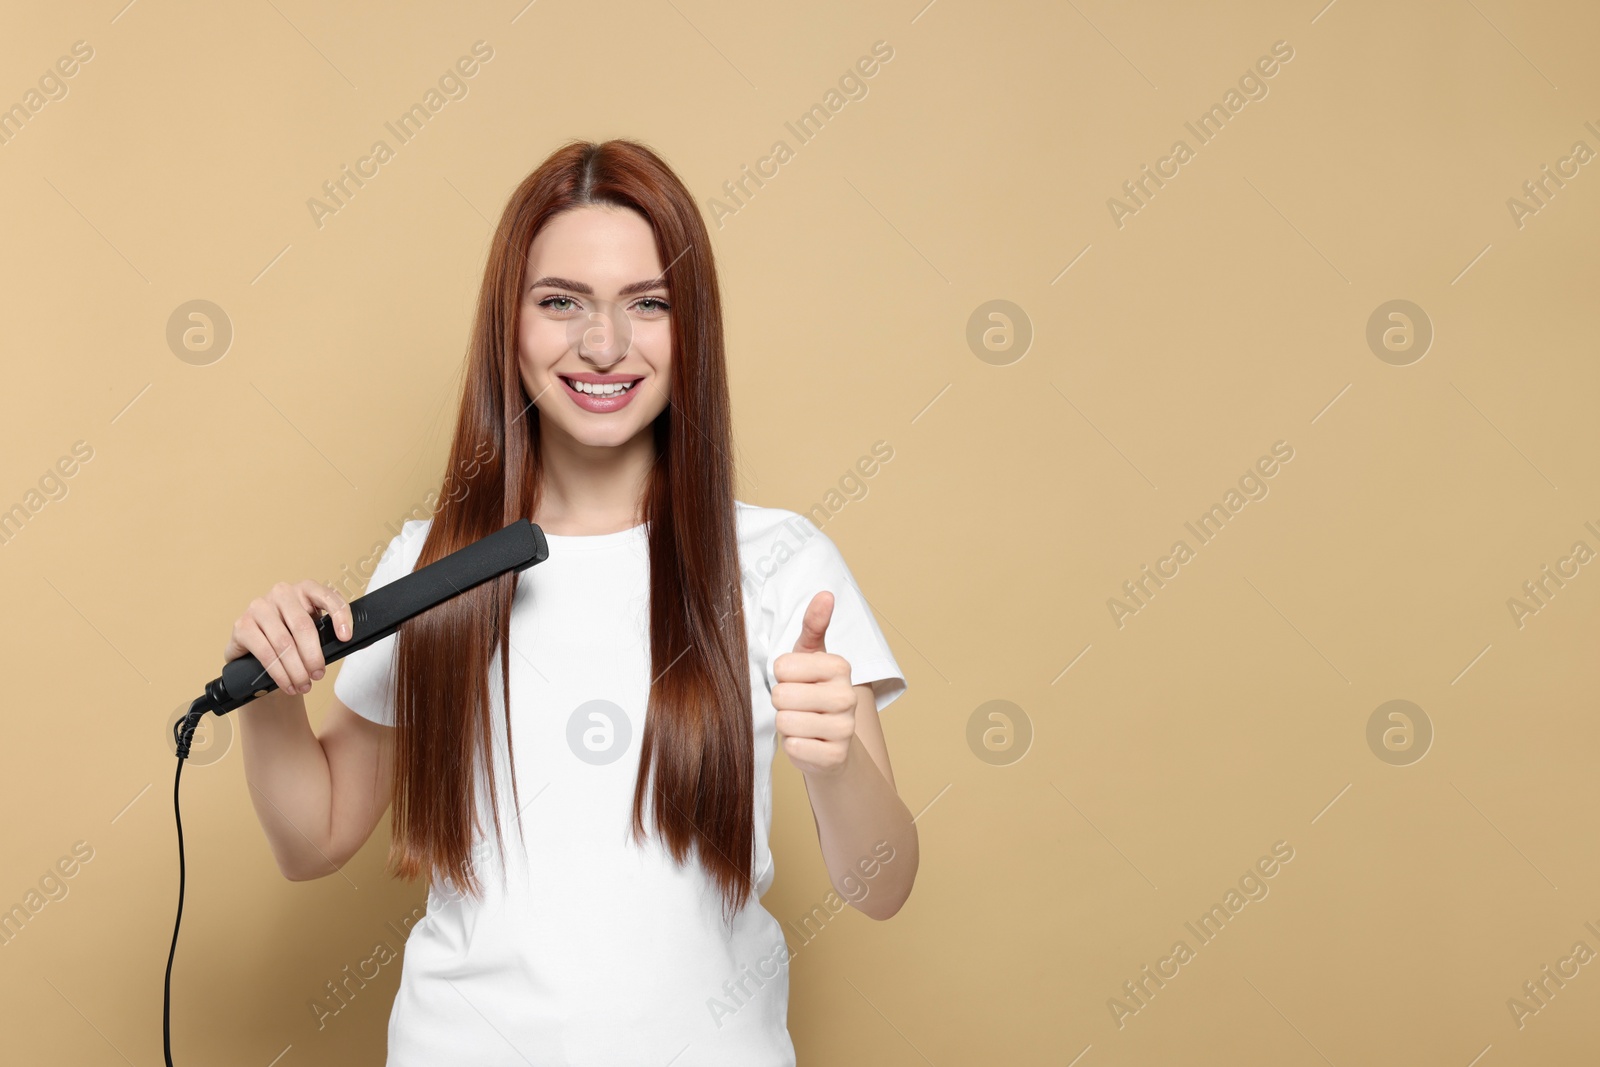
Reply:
x=373, y=617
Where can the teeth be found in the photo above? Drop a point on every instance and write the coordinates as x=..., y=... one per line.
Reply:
x=601, y=390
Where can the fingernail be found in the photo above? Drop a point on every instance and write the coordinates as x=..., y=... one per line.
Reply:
x=317, y=675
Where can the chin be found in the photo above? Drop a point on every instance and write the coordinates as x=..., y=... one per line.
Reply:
x=604, y=436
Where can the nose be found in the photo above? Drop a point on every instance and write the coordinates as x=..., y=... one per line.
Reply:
x=600, y=363
x=603, y=336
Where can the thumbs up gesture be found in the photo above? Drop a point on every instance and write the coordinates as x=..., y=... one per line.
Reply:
x=815, y=702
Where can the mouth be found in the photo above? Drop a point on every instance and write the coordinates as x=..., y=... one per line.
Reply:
x=602, y=397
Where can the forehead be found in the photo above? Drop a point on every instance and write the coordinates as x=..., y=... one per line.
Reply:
x=602, y=245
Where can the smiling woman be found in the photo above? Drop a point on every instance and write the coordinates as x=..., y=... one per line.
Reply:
x=631, y=685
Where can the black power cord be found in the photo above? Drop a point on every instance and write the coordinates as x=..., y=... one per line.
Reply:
x=183, y=732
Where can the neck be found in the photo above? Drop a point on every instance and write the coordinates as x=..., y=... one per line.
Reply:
x=592, y=489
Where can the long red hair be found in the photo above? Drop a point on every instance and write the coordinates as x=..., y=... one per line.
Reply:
x=697, y=738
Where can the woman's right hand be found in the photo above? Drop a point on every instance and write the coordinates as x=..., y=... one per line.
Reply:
x=280, y=630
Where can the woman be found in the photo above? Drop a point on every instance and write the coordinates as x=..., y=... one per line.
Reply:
x=637, y=713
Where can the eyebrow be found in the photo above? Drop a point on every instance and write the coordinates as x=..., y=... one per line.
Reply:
x=552, y=282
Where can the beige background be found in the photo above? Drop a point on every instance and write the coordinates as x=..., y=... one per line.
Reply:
x=1229, y=313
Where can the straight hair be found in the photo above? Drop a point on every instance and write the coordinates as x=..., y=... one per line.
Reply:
x=696, y=765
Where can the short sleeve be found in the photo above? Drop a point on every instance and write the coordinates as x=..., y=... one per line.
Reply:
x=366, y=678
x=853, y=629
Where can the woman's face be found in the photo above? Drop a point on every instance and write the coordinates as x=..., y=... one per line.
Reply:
x=595, y=317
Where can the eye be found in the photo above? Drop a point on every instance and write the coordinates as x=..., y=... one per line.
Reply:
x=660, y=304
x=546, y=302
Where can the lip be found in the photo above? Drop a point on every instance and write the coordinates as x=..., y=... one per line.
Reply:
x=602, y=379
x=600, y=405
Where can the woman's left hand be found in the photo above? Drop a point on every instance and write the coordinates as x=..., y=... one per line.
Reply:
x=815, y=701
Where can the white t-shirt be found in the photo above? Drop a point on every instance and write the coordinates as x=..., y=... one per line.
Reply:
x=597, y=951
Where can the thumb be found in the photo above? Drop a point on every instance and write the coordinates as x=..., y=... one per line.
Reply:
x=814, y=625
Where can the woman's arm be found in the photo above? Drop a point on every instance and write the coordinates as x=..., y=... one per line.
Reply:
x=857, y=809
x=831, y=732
x=318, y=799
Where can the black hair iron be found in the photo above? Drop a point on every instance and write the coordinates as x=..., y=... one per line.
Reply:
x=373, y=617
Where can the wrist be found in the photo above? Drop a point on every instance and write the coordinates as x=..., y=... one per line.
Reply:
x=845, y=769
